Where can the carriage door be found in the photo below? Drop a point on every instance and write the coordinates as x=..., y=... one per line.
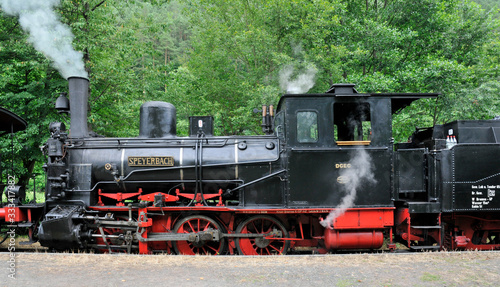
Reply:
x=309, y=136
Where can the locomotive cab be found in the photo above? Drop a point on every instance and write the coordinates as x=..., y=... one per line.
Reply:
x=329, y=135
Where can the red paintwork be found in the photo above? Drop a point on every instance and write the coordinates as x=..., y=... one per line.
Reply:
x=365, y=218
x=359, y=229
x=460, y=229
x=461, y=241
x=13, y=214
x=144, y=247
x=193, y=225
x=371, y=221
x=244, y=211
x=199, y=199
x=337, y=239
x=119, y=197
x=269, y=245
x=406, y=230
x=465, y=228
x=151, y=197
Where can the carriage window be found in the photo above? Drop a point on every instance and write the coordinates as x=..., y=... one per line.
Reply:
x=352, y=123
x=307, y=127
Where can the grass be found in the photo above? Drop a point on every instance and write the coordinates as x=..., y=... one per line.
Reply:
x=345, y=283
x=428, y=277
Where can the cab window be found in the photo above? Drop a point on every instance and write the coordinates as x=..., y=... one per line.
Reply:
x=352, y=123
x=307, y=127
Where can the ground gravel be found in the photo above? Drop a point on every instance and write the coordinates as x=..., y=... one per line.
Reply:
x=408, y=269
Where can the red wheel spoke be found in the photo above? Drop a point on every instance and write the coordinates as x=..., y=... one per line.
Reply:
x=255, y=227
x=195, y=224
x=191, y=226
x=269, y=229
x=214, y=249
x=206, y=226
x=266, y=245
x=279, y=250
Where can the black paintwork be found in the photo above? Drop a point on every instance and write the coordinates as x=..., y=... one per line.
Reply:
x=316, y=138
x=10, y=122
x=78, y=97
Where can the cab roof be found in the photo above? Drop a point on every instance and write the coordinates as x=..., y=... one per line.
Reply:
x=398, y=100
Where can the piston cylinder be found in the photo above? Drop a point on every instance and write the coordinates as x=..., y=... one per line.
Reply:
x=341, y=239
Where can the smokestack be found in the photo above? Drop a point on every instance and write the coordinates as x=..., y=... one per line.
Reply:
x=78, y=98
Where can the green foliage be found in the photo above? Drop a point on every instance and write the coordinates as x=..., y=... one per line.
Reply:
x=28, y=84
x=382, y=46
x=490, y=6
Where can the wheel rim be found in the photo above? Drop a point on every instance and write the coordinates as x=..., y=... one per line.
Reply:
x=259, y=245
x=193, y=224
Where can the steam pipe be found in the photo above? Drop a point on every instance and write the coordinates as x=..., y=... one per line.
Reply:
x=78, y=97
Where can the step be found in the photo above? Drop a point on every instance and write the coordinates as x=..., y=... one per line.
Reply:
x=426, y=227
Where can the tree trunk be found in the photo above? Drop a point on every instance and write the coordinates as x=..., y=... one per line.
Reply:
x=24, y=178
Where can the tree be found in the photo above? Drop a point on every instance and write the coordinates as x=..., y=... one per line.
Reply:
x=28, y=85
x=382, y=46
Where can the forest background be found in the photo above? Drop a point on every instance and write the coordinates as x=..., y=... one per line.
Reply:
x=225, y=58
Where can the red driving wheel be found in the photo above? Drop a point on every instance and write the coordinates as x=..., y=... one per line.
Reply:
x=268, y=245
x=195, y=224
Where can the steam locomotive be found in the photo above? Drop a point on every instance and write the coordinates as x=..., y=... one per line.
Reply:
x=326, y=175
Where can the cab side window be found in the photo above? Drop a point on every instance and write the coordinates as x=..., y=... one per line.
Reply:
x=307, y=127
x=352, y=123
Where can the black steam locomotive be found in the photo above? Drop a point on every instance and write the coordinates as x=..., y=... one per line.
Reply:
x=326, y=175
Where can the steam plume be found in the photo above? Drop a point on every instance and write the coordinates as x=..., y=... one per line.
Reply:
x=301, y=84
x=360, y=172
x=47, y=33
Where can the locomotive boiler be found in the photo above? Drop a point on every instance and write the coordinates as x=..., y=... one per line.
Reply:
x=326, y=175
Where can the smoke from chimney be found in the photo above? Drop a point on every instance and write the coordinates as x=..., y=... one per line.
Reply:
x=47, y=34
x=300, y=81
x=301, y=84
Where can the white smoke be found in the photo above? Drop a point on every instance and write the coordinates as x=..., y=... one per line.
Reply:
x=47, y=33
x=361, y=171
x=302, y=83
